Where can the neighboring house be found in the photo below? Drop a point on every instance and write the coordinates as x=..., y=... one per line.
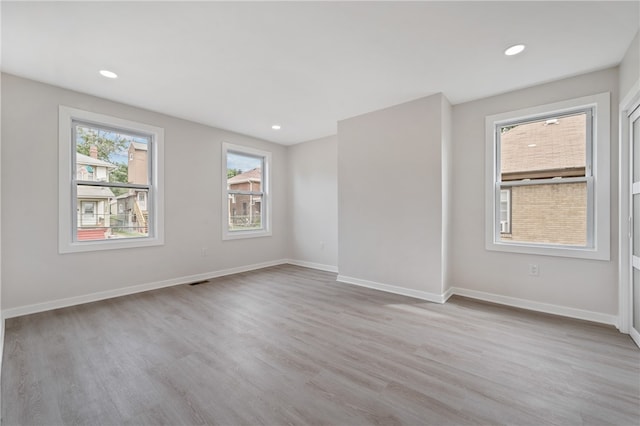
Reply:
x=131, y=208
x=93, y=201
x=245, y=209
x=550, y=213
x=138, y=161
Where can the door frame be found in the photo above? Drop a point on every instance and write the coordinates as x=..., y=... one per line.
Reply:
x=628, y=104
x=94, y=220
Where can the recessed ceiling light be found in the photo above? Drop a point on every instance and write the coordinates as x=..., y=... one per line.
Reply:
x=514, y=50
x=108, y=74
x=276, y=127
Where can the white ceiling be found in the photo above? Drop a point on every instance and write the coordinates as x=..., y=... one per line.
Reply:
x=244, y=66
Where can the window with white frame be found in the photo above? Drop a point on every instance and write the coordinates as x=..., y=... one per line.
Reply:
x=110, y=182
x=548, y=179
x=246, y=200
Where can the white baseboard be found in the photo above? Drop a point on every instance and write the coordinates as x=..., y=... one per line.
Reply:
x=424, y=295
x=488, y=297
x=313, y=265
x=102, y=295
x=538, y=306
x=447, y=294
x=635, y=336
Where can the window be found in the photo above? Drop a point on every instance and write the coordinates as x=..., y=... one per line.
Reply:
x=117, y=201
x=548, y=179
x=246, y=190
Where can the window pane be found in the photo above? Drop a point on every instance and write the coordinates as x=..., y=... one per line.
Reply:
x=246, y=167
x=103, y=215
x=110, y=156
x=104, y=155
x=544, y=149
x=245, y=212
x=549, y=213
x=244, y=173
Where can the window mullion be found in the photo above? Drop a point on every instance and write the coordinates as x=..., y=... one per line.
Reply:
x=552, y=181
x=236, y=192
x=112, y=184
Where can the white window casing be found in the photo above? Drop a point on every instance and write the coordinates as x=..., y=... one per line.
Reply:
x=67, y=200
x=264, y=193
x=597, y=178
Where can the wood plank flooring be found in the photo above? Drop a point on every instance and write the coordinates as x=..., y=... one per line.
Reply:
x=290, y=346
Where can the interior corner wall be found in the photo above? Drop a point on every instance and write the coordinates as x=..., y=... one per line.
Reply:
x=33, y=272
x=630, y=67
x=447, y=179
x=313, y=203
x=390, y=198
x=578, y=284
x=629, y=70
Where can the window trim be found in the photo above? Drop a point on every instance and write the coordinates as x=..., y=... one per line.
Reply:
x=265, y=208
x=598, y=180
x=66, y=182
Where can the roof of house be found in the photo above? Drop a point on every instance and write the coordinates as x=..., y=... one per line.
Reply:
x=139, y=146
x=90, y=161
x=94, y=192
x=545, y=145
x=254, y=175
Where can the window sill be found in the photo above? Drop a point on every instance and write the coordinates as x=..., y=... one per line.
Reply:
x=550, y=250
x=238, y=235
x=99, y=245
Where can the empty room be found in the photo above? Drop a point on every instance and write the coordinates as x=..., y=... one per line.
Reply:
x=305, y=213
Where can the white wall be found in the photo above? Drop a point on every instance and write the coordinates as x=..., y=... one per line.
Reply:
x=32, y=270
x=410, y=193
x=313, y=203
x=390, y=198
x=576, y=284
x=630, y=66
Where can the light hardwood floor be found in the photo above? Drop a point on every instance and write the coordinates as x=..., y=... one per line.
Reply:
x=289, y=345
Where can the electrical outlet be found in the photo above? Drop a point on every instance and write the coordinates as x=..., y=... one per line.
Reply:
x=204, y=252
x=534, y=270
x=321, y=245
